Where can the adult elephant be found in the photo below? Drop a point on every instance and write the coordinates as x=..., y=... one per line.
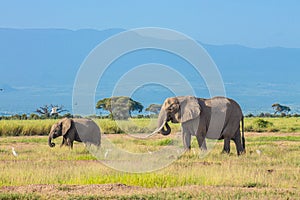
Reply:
x=215, y=118
x=80, y=130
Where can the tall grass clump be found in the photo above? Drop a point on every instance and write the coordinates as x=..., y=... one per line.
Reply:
x=108, y=126
x=25, y=127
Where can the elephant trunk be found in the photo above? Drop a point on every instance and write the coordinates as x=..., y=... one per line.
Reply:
x=166, y=132
x=162, y=121
x=51, y=144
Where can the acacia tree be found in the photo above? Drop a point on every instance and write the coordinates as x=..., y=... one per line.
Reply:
x=119, y=107
x=280, y=108
x=155, y=108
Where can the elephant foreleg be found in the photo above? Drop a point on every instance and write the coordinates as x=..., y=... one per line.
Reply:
x=226, y=148
x=69, y=143
x=63, y=142
x=186, y=141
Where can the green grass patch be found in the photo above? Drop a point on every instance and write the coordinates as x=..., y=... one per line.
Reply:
x=165, y=142
x=17, y=196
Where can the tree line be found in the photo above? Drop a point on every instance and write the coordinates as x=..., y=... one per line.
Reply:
x=122, y=108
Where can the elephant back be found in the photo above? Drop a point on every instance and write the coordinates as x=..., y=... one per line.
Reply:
x=225, y=114
x=88, y=131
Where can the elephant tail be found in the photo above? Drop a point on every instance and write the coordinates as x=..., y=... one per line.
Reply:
x=243, y=137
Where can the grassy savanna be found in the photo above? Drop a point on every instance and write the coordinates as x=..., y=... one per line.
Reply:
x=269, y=170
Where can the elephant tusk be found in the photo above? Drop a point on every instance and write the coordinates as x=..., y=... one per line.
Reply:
x=155, y=132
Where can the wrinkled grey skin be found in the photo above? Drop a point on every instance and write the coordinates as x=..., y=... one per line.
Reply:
x=80, y=130
x=204, y=118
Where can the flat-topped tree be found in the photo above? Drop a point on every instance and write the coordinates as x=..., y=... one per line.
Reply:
x=52, y=110
x=280, y=108
x=119, y=107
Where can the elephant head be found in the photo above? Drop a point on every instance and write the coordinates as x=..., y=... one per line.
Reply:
x=177, y=110
x=59, y=129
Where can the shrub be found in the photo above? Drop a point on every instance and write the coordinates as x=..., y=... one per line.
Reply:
x=261, y=123
x=33, y=116
x=249, y=115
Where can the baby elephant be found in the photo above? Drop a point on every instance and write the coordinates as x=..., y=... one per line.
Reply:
x=80, y=130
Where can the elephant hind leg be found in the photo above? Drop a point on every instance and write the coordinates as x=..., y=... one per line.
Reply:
x=238, y=144
x=201, y=143
x=226, y=148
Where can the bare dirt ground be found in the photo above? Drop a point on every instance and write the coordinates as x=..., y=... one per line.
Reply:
x=114, y=191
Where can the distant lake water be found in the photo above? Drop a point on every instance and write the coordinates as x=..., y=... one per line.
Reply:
x=252, y=100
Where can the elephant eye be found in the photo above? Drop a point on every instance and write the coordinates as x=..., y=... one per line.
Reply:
x=171, y=107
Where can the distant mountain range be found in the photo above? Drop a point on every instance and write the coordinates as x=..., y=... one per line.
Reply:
x=39, y=66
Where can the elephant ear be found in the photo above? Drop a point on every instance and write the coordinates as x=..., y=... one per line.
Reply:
x=66, y=125
x=189, y=108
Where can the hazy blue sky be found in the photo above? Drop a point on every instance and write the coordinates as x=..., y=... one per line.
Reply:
x=254, y=23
